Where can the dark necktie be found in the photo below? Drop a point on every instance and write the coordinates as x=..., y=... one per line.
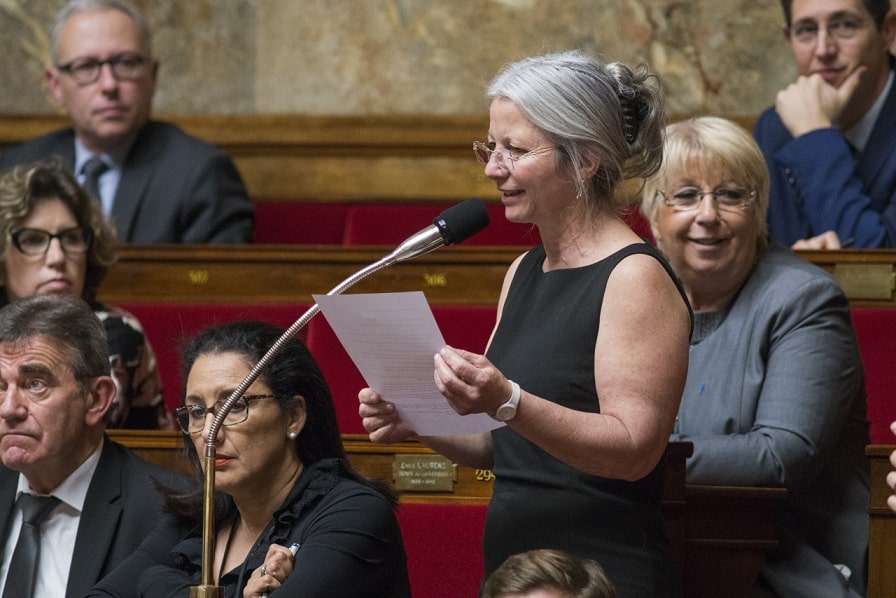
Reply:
x=92, y=170
x=23, y=566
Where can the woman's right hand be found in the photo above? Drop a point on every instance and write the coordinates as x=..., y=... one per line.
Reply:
x=278, y=565
x=380, y=418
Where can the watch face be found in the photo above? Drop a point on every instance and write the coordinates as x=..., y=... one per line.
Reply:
x=505, y=412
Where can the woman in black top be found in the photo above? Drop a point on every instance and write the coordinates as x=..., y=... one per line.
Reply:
x=589, y=355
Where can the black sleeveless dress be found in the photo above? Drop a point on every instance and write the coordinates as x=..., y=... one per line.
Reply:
x=545, y=342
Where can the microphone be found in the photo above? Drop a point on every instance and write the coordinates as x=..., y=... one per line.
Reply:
x=456, y=224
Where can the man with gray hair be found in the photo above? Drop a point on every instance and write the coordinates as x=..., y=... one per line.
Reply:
x=158, y=184
x=95, y=500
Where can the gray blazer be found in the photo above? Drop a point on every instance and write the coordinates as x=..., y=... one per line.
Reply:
x=174, y=188
x=120, y=510
x=775, y=396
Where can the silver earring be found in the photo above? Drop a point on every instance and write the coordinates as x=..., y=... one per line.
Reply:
x=292, y=435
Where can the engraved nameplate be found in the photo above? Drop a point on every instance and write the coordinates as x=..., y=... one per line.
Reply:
x=866, y=281
x=423, y=473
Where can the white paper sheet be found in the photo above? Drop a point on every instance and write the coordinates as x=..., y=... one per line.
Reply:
x=392, y=338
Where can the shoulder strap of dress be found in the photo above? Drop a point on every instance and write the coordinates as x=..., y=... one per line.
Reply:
x=648, y=249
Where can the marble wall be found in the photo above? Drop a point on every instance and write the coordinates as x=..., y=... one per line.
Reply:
x=357, y=57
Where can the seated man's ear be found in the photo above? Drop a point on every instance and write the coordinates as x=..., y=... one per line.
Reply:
x=101, y=393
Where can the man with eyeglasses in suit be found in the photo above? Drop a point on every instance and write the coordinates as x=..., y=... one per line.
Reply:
x=829, y=140
x=158, y=184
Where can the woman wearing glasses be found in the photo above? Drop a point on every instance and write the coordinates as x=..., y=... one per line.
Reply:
x=55, y=241
x=589, y=355
x=284, y=482
x=775, y=388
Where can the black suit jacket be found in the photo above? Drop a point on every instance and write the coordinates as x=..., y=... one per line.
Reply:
x=121, y=508
x=174, y=188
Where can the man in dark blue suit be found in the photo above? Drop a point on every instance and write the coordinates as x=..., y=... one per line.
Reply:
x=158, y=184
x=830, y=139
x=55, y=389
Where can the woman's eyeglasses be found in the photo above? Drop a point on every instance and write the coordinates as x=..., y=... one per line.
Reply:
x=504, y=158
x=726, y=198
x=35, y=241
x=191, y=418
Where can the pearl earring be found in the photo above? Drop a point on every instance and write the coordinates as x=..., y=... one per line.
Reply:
x=292, y=435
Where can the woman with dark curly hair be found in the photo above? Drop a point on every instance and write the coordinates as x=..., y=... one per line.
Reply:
x=54, y=240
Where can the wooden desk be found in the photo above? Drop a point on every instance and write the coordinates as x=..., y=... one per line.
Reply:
x=460, y=275
x=882, y=532
x=290, y=274
x=730, y=530
x=719, y=534
x=868, y=276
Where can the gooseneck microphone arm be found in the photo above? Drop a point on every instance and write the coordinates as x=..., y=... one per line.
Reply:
x=454, y=225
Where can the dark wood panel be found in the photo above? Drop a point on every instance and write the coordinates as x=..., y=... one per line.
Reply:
x=450, y=275
x=286, y=274
x=882, y=538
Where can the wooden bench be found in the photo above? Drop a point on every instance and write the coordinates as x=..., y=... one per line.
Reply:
x=410, y=159
x=179, y=289
x=455, y=275
x=260, y=278
x=317, y=180
x=718, y=534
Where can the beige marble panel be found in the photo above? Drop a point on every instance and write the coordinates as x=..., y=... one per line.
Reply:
x=420, y=56
x=347, y=57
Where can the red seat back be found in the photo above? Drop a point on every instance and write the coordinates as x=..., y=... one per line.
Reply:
x=299, y=223
x=876, y=333
x=168, y=326
x=330, y=223
x=390, y=224
x=638, y=223
x=444, y=547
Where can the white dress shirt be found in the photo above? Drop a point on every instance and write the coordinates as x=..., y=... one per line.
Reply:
x=108, y=181
x=57, y=532
x=859, y=133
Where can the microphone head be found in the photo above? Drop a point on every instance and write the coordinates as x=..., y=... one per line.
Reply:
x=462, y=221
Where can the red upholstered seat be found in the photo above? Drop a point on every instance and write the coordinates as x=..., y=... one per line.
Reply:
x=444, y=547
x=341, y=375
x=168, y=325
x=299, y=223
x=876, y=332
x=329, y=223
x=390, y=224
x=638, y=223
x=465, y=327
